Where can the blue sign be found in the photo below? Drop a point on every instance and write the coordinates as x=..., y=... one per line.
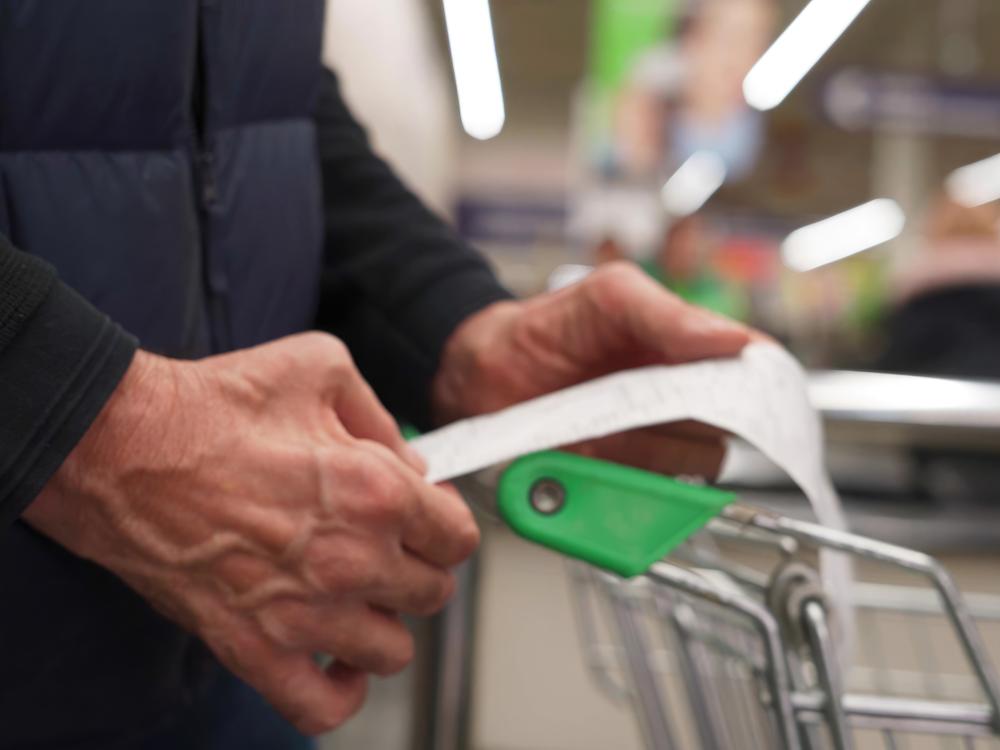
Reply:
x=857, y=99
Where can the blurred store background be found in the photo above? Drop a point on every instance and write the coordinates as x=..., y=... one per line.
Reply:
x=604, y=101
x=838, y=188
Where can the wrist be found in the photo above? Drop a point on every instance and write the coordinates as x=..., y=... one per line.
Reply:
x=110, y=446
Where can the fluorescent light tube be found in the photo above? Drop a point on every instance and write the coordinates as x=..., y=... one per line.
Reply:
x=477, y=72
x=843, y=235
x=694, y=183
x=797, y=50
x=975, y=184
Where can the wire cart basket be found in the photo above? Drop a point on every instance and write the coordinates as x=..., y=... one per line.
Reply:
x=731, y=641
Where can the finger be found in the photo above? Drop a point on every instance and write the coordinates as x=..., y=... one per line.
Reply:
x=691, y=333
x=415, y=588
x=373, y=640
x=313, y=700
x=370, y=639
x=438, y=525
x=363, y=416
x=441, y=528
x=664, y=324
x=663, y=454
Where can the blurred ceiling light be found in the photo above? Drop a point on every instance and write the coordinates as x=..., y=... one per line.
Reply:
x=843, y=235
x=975, y=184
x=694, y=183
x=797, y=50
x=477, y=72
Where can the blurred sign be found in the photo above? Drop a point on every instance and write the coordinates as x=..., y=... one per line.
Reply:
x=858, y=100
x=622, y=29
x=511, y=221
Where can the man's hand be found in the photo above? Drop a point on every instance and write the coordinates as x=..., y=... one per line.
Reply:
x=615, y=319
x=266, y=501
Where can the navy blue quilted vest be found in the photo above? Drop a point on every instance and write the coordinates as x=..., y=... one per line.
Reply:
x=161, y=154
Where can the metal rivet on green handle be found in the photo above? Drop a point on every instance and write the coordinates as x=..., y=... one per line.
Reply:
x=614, y=517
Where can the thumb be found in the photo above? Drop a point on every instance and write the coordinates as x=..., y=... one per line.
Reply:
x=364, y=417
x=677, y=331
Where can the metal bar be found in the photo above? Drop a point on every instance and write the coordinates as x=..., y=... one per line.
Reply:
x=699, y=557
x=966, y=714
x=880, y=712
x=701, y=707
x=646, y=690
x=914, y=600
x=598, y=656
x=972, y=642
x=779, y=682
x=443, y=699
x=917, y=562
x=905, y=683
x=827, y=673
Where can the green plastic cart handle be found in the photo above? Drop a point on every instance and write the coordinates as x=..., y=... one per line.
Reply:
x=614, y=517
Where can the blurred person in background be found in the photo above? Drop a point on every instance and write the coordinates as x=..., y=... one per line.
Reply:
x=683, y=264
x=946, y=300
x=678, y=252
x=186, y=524
x=686, y=95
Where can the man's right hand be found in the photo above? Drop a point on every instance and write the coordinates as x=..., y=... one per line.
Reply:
x=265, y=501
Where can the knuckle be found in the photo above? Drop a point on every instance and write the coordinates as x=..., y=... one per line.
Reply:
x=330, y=461
x=613, y=285
x=391, y=656
x=398, y=659
x=237, y=648
x=435, y=597
x=278, y=630
x=467, y=538
x=615, y=274
x=325, y=350
x=608, y=285
x=345, y=570
x=311, y=717
x=387, y=498
x=321, y=723
x=286, y=624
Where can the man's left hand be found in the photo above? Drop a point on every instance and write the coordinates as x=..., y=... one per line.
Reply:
x=615, y=319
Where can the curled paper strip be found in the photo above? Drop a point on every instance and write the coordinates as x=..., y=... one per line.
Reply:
x=760, y=396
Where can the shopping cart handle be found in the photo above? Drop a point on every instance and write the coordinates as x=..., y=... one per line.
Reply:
x=614, y=517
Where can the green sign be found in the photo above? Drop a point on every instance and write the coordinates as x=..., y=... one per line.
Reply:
x=620, y=31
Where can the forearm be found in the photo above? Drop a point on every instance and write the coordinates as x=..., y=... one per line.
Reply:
x=60, y=360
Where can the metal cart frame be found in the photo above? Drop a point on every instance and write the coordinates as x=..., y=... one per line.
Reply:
x=796, y=658
x=713, y=653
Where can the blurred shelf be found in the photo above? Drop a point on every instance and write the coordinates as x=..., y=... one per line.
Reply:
x=907, y=410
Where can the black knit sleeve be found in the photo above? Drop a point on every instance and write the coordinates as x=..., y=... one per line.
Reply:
x=397, y=279
x=60, y=360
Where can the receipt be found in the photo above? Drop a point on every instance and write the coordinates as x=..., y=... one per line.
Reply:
x=759, y=396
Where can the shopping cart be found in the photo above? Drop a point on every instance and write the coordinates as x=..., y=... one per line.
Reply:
x=710, y=618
